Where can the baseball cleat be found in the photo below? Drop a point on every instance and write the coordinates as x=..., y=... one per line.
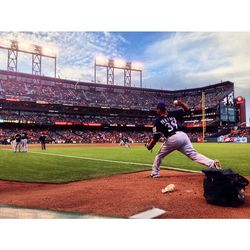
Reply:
x=155, y=175
x=217, y=164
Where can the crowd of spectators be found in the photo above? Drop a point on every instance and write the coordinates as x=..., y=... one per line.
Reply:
x=76, y=136
x=198, y=134
x=26, y=89
x=84, y=136
x=240, y=132
x=56, y=93
x=51, y=118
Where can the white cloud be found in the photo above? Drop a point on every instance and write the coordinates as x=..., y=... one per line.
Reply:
x=197, y=56
x=75, y=50
x=75, y=73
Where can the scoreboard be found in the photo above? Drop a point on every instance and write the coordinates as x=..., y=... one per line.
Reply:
x=227, y=114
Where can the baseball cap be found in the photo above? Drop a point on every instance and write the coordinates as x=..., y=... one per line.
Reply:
x=161, y=106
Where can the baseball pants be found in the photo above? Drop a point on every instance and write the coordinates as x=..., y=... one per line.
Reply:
x=13, y=145
x=182, y=143
x=25, y=145
x=18, y=147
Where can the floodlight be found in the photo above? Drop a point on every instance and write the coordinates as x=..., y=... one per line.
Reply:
x=5, y=43
x=25, y=46
x=119, y=63
x=111, y=64
x=101, y=60
x=136, y=66
x=49, y=51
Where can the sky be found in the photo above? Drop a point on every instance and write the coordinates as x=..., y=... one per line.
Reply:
x=171, y=60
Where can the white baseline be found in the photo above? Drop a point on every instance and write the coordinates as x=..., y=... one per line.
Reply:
x=105, y=160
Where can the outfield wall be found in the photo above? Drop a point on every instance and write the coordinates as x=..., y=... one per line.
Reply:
x=231, y=140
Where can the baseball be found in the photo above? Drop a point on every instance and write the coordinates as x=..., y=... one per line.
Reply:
x=175, y=102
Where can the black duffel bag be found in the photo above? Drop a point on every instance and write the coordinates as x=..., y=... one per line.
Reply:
x=224, y=187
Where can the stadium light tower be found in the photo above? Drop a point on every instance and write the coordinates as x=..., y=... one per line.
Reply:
x=110, y=72
x=112, y=64
x=37, y=61
x=138, y=67
x=36, y=51
x=12, y=56
x=127, y=74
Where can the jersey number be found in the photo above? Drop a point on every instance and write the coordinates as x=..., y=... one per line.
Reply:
x=171, y=125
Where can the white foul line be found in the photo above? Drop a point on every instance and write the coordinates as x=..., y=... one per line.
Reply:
x=122, y=162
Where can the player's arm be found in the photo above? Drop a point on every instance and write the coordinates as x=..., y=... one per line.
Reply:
x=181, y=104
x=154, y=140
x=150, y=144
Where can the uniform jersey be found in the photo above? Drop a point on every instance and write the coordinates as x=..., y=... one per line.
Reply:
x=168, y=124
x=24, y=136
x=125, y=139
x=18, y=138
x=42, y=138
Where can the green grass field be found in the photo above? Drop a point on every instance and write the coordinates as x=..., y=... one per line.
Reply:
x=59, y=165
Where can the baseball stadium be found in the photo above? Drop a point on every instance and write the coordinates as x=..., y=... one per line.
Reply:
x=94, y=163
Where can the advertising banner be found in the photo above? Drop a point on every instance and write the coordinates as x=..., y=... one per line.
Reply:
x=232, y=139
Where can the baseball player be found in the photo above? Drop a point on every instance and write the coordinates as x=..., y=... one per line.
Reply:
x=24, y=142
x=42, y=139
x=169, y=124
x=18, y=143
x=126, y=142
x=13, y=143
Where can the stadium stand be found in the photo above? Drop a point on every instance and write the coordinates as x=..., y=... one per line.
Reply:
x=90, y=112
x=24, y=89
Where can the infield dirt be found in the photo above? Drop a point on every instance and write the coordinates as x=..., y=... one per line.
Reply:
x=123, y=196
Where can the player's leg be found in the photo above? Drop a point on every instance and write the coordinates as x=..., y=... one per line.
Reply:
x=25, y=145
x=188, y=150
x=171, y=144
x=16, y=147
x=22, y=145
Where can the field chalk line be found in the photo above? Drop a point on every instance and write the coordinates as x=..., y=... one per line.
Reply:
x=148, y=214
x=113, y=161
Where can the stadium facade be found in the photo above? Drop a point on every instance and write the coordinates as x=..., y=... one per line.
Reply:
x=68, y=109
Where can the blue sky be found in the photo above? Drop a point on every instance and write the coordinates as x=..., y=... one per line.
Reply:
x=171, y=60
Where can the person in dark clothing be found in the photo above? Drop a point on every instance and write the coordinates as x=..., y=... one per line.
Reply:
x=42, y=139
x=18, y=143
x=169, y=125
